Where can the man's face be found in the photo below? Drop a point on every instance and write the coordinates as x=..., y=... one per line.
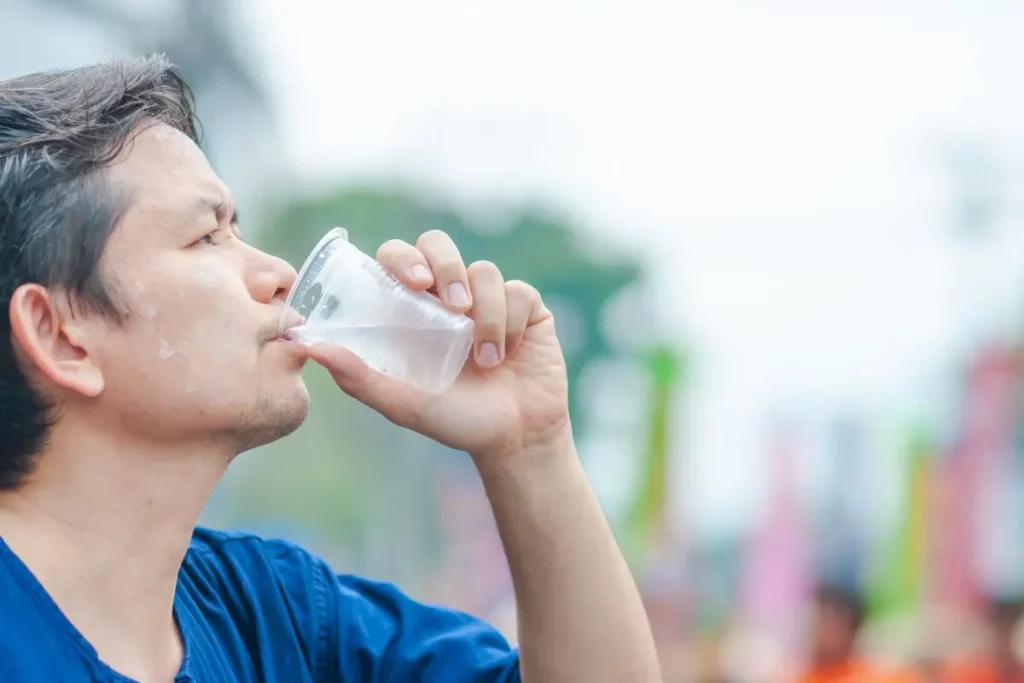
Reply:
x=195, y=360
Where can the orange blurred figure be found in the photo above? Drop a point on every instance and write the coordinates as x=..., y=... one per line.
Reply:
x=1000, y=663
x=837, y=619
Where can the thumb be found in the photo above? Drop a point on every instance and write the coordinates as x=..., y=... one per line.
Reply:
x=395, y=400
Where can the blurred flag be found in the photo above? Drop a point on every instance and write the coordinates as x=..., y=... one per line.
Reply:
x=955, y=575
x=987, y=432
x=898, y=588
x=648, y=525
x=652, y=543
x=776, y=580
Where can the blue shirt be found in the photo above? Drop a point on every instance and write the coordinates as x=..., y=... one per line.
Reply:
x=250, y=610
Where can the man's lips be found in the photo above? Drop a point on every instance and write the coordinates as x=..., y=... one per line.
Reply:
x=282, y=336
x=282, y=329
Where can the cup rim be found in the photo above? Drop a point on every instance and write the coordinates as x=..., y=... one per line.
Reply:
x=332, y=235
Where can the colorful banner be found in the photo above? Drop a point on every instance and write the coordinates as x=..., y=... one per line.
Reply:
x=986, y=435
x=898, y=588
x=647, y=525
x=776, y=579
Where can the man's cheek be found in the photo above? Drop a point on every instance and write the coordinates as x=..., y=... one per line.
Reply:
x=207, y=278
x=218, y=356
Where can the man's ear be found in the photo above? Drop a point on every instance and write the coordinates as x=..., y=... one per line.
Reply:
x=49, y=338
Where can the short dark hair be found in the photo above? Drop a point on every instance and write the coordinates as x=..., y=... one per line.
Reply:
x=1006, y=609
x=845, y=599
x=58, y=131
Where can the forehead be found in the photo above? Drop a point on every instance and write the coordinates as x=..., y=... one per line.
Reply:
x=165, y=173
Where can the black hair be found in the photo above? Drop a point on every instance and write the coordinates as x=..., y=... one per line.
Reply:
x=846, y=600
x=1006, y=609
x=58, y=132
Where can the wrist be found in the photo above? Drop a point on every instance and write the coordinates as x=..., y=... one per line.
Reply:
x=541, y=457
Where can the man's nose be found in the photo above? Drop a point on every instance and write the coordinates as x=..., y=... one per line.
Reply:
x=272, y=279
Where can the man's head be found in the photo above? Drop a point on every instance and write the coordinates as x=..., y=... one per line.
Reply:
x=838, y=615
x=130, y=303
x=1004, y=617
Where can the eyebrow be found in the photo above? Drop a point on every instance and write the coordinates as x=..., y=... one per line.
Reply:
x=220, y=207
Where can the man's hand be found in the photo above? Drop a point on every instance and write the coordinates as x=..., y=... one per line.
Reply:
x=512, y=395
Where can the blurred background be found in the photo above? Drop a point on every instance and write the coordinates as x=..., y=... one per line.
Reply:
x=784, y=242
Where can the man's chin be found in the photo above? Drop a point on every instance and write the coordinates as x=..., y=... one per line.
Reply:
x=274, y=420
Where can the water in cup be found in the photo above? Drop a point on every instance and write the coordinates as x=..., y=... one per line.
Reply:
x=345, y=297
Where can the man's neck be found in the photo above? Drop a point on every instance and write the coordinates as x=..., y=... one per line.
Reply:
x=104, y=524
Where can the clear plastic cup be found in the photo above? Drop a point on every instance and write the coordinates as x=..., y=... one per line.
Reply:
x=345, y=297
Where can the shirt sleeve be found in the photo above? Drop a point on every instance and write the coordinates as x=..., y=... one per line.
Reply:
x=371, y=631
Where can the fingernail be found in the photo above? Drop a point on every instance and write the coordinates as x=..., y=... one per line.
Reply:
x=421, y=273
x=488, y=354
x=457, y=295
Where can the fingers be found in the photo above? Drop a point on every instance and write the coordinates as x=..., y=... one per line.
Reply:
x=489, y=313
x=435, y=261
x=502, y=311
x=449, y=271
x=407, y=263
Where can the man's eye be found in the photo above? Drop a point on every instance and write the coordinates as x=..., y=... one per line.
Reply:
x=209, y=239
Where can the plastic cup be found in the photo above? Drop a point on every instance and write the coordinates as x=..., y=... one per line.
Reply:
x=345, y=297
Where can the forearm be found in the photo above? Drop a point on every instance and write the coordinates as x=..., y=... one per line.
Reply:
x=580, y=614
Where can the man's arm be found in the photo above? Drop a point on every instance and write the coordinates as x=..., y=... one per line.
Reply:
x=580, y=614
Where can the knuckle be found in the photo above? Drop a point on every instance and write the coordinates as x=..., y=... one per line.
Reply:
x=488, y=328
x=432, y=237
x=523, y=290
x=448, y=268
x=485, y=270
x=393, y=248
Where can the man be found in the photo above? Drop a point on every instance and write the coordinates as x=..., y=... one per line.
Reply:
x=835, y=626
x=139, y=355
x=1000, y=661
x=837, y=618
